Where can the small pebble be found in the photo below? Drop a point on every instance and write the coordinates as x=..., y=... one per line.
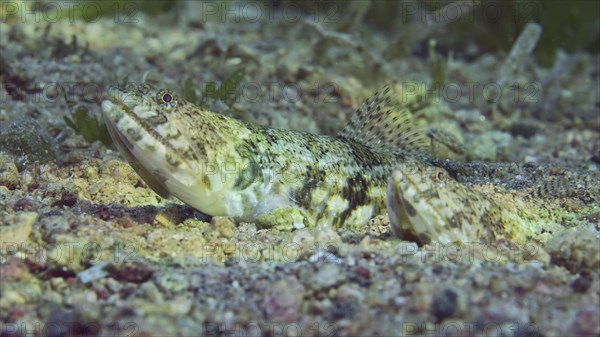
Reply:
x=93, y=273
x=135, y=272
x=328, y=275
x=9, y=174
x=582, y=283
x=283, y=300
x=444, y=304
x=224, y=225
x=16, y=229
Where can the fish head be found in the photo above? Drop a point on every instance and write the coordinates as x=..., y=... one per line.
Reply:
x=420, y=203
x=167, y=140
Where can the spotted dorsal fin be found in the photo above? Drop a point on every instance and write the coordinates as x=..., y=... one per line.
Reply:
x=384, y=123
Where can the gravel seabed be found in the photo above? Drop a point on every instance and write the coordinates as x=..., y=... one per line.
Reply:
x=88, y=249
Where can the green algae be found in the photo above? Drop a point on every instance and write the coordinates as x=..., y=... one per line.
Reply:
x=87, y=125
x=227, y=92
x=439, y=66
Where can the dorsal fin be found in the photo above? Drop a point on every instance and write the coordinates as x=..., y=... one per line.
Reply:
x=382, y=122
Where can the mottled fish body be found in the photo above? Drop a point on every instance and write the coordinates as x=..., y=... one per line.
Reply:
x=223, y=166
x=426, y=205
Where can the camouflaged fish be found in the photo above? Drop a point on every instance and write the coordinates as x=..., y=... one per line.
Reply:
x=426, y=204
x=223, y=166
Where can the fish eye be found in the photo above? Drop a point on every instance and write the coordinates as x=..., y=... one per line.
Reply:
x=440, y=175
x=166, y=98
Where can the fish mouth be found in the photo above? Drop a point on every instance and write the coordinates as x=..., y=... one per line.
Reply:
x=121, y=103
x=397, y=210
x=412, y=216
x=152, y=154
x=111, y=113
